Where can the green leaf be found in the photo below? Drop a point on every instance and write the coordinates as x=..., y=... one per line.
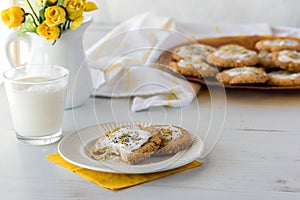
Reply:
x=27, y=26
x=42, y=15
x=61, y=2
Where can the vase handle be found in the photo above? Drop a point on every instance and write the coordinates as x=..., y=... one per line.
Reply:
x=13, y=37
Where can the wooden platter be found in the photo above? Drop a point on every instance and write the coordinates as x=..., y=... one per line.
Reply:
x=244, y=40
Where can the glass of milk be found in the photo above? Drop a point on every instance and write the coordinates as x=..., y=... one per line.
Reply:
x=36, y=96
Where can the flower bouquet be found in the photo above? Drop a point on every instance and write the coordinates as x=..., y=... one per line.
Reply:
x=48, y=18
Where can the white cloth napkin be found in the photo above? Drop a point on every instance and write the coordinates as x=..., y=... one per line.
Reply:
x=123, y=62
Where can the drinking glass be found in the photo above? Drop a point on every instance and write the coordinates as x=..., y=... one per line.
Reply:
x=36, y=96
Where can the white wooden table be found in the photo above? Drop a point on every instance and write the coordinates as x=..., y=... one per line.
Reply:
x=256, y=157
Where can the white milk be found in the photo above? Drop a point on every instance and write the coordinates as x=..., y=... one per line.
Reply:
x=37, y=109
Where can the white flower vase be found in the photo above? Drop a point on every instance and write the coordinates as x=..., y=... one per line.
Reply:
x=68, y=52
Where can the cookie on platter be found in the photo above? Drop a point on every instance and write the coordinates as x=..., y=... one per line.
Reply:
x=232, y=55
x=193, y=68
x=192, y=52
x=277, y=45
x=243, y=75
x=265, y=59
x=288, y=60
x=284, y=78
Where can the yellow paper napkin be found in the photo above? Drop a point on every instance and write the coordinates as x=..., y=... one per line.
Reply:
x=114, y=181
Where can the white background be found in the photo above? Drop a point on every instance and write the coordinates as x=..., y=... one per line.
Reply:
x=273, y=12
x=276, y=12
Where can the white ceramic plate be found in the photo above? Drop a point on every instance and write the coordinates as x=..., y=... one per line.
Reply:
x=76, y=149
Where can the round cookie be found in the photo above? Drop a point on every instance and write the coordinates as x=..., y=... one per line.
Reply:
x=243, y=75
x=265, y=59
x=192, y=52
x=277, y=45
x=130, y=144
x=193, y=68
x=288, y=60
x=232, y=55
x=174, y=139
x=284, y=78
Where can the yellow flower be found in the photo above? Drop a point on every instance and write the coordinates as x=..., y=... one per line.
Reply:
x=13, y=16
x=75, y=8
x=49, y=32
x=43, y=2
x=55, y=15
x=52, y=1
x=76, y=23
x=90, y=6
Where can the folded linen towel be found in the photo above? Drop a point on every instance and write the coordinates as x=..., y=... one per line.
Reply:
x=123, y=63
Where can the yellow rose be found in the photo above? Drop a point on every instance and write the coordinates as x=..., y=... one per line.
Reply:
x=76, y=23
x=75, y=8
x=13, y=16
x=55, y=15
x=43, y=2
x=49, y=32
x=90, y=6
x=52, y=1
